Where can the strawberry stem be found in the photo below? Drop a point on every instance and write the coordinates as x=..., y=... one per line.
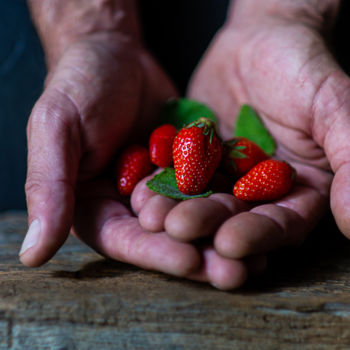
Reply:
x=207, y=125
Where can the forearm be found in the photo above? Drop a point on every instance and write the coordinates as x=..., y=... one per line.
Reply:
x=61, y=22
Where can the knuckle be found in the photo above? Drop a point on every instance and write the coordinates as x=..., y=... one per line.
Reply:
x=36, y=194
x=32, y=185
x=54, y=108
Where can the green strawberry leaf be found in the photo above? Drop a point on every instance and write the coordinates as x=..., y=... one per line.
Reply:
x=250, y=125
x=164, y=183
x=183, y=111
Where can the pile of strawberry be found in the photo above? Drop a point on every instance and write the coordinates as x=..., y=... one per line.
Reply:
x=196, y=152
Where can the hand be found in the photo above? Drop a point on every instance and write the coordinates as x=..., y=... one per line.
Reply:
x=102, y=90
x=273, y=56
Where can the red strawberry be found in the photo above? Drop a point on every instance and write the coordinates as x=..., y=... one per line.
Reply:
x=132, y=166
x=269, y=180
x=197, y=152
x=240, y=155
x=160, y=145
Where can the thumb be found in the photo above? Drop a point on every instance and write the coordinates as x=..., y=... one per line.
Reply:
x=331, y=129
x=53, y=158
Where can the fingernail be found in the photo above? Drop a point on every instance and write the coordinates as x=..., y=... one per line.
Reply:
x=31, y=237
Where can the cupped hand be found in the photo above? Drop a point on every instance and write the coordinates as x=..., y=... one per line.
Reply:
x=232, y=237
x=101, y=93
x=276, y=59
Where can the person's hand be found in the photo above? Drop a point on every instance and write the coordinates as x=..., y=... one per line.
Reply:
x=273, y=56
x=102, y=90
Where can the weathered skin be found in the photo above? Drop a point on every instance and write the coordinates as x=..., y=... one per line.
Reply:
x=269, y=54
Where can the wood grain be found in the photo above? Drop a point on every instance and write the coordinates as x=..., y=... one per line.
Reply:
x=80, y=300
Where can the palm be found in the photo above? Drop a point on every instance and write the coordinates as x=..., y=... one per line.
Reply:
x=98, y=97
x=269, y=69
x=105, y=222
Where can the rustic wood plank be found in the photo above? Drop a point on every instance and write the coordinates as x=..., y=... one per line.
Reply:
x=80, y=300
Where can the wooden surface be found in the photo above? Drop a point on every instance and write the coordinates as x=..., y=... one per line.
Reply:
x=80, y=300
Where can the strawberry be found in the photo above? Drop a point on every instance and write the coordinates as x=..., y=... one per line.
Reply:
x=131, y=167
x=197, y=152
x=240, y=155
x=269, y=180
x=160, y=145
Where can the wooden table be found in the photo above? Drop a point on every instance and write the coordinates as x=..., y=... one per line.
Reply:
x=80, y=300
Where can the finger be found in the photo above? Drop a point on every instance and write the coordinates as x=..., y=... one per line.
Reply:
x=141, y=194
x=270, y=226
x=201, y=217
x=109, y=228
x=153, y=209
x=152, y=215
x=53, y=158
x=226, y=274
x=331, y=129
x=340, y=198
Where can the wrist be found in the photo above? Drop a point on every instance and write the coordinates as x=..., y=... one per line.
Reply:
x=319, y=13
x=62, y=22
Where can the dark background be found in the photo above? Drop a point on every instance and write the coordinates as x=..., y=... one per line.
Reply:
x=22, y=71
x=177, y=31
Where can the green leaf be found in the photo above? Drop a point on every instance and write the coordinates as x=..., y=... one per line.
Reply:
x=250, y=125
x=183, y=111
x=164, y=183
